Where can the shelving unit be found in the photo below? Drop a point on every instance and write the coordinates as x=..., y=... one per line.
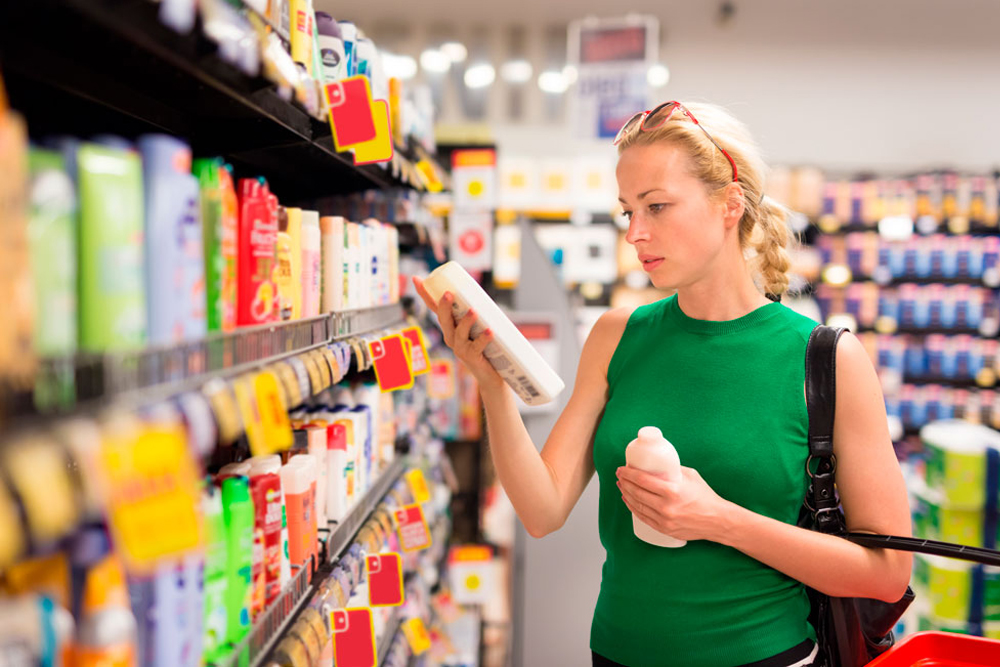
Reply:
x=161, y=81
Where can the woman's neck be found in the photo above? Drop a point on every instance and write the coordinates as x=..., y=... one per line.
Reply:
x=722, y=295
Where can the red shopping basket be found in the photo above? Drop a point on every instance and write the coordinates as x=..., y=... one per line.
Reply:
x=941, y=649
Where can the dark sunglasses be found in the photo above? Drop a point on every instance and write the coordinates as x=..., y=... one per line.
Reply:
x=652, y=120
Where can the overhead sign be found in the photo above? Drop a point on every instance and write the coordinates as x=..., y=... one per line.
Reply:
x=612, y=58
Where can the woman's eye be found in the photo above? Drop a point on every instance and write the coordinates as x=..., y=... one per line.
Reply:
x=656, y=208
x=627, y=214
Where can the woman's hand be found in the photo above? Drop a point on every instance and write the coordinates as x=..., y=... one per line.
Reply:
x=457, y=336
x=688, y=509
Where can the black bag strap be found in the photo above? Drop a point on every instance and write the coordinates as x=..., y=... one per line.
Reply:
x=821, y=399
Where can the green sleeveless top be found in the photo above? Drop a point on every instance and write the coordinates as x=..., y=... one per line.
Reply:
x=730, y=397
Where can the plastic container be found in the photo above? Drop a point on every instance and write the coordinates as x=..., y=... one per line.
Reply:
x=331, y=48
x=332, y=248
x=237, y=510
x=256, y=297
x=297, y=483
x=215, y=581
x=653, y=453
x=941, y=649
x=513, y=357
x=311, y=264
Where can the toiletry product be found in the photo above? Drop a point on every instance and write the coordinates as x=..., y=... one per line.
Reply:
x=52, y=239
x=215, y=579
x=238, y=514
x=520, y=365
x=349, y=35
x=257, y=237
x=331, y=45
x=283, y=268
x=306, y=464
x=336, y=476
x=332, y=248
x=311, y=264
x=316, y=438
x=299, y=510
x=303, y=25
x=106, y=629
x=268, y=508
x=652, y=453
x=206, y=170
x=112, y=306
x=175, y=271
x=230, y=245
x=271, y=465
x=295, y=255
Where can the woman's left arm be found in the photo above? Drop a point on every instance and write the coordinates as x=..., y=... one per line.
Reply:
x=871, y=489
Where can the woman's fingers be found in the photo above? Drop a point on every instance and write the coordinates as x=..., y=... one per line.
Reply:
x=479, y=345
x=446, y=319
x=463, y=331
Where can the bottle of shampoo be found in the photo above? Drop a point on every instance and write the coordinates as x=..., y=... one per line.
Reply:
x=106, y=633
x=230, y=245
x=256, y=294
x=112, y=306
x=215, y=578
x=283, y=267
x=311, y=264
x=332, y=248
x=653, y=453
x=295, y=259
x=238, y=514
x=206, y=170
x=331, y=48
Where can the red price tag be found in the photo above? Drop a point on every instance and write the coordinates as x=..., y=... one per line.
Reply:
x=392, y=364
x=385, y=580
x=353, y=637
x=414, y=534
x=418, y=351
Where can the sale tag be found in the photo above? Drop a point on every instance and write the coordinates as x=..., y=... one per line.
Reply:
x=276, y=429
x=442, y=380
x=315, y=377
x=416, y=635
x=353, y=637
x=385, y=580
x=392, y=367
x=152, y=492
x=418, y=486
x=414, y=534
x=352, y=118
x=249, y=411
x=379, y=149
x=418, y=353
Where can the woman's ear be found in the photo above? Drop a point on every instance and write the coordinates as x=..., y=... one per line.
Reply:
x=734, y=202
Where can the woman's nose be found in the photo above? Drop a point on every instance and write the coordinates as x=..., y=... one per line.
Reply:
x=637, y=230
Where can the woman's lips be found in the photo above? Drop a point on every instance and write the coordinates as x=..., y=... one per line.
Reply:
x=650, y=262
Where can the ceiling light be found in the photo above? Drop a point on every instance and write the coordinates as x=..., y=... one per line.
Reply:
x=399, y=67
x=516, y=71
x=434, y=61
x=657, y=76
x=571, y=74
x=553, y=82
x=455, y=51
x=480, y=76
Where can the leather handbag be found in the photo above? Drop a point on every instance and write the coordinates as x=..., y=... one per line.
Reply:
x=850, y=631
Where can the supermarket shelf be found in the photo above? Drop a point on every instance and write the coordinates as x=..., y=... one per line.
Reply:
x=944, y=227
x=266, y=634
x=927, y=280
x=161, y=372
x=923, y=331
x=385, y=642
x=344, y=532
x=135, y=75
x=961, y=383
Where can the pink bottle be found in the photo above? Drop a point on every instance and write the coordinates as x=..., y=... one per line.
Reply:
x=652, y=453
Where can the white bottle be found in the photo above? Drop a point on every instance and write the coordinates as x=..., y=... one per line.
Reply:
x=510, y=353
x=653, y=453
x=332, y=243
x=311, y=264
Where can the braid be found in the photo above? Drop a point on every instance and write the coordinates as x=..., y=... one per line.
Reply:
x=771, y=243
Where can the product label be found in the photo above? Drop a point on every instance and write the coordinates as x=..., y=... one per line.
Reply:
x=414, y=534
x=418, y=350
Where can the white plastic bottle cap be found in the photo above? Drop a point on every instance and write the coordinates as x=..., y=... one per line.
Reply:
x=650, y=433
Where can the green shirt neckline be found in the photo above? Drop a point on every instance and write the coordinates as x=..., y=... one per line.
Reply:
x=720, y=328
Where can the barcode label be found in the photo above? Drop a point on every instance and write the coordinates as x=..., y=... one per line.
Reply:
x=527, y=386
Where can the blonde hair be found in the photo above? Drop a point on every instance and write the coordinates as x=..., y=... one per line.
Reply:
x=763, y=231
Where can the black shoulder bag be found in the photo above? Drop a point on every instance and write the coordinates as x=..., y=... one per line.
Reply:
x=851, y=631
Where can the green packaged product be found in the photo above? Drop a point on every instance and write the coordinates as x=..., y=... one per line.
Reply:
x=215, y=577
x=238, y=514
x=207, y=172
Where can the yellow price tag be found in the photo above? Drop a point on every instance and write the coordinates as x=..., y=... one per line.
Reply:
x=152, y=491
x=249, y=411
x=416, y=635
x=325, y=374
x=315, y=378
x=273, y=412
x=331, y=359
x=418, y=486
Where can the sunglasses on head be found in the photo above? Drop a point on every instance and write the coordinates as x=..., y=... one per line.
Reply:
x=652, y=120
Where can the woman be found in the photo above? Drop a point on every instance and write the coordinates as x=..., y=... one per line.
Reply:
x=719, y=368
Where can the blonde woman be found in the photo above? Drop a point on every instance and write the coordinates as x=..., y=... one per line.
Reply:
x=719, y=368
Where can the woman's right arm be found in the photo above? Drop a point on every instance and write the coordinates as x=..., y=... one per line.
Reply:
x=543, y=487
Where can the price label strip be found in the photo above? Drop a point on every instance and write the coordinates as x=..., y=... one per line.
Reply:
x=414, y=534
x=385, y=580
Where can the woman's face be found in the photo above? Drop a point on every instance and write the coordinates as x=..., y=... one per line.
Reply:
x=676, y=228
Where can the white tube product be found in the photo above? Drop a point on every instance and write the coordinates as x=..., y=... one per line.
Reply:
x=336, y=476
x=311, y=264
x=332, y=241
x=510, y=353
x=654, y=454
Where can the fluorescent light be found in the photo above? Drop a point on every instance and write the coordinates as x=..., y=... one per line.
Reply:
x=657, y=76
x=553, y=82
x=516, y=71
x=455, y=51
x=480, y=76
x=399, y=67
x=434, y=61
